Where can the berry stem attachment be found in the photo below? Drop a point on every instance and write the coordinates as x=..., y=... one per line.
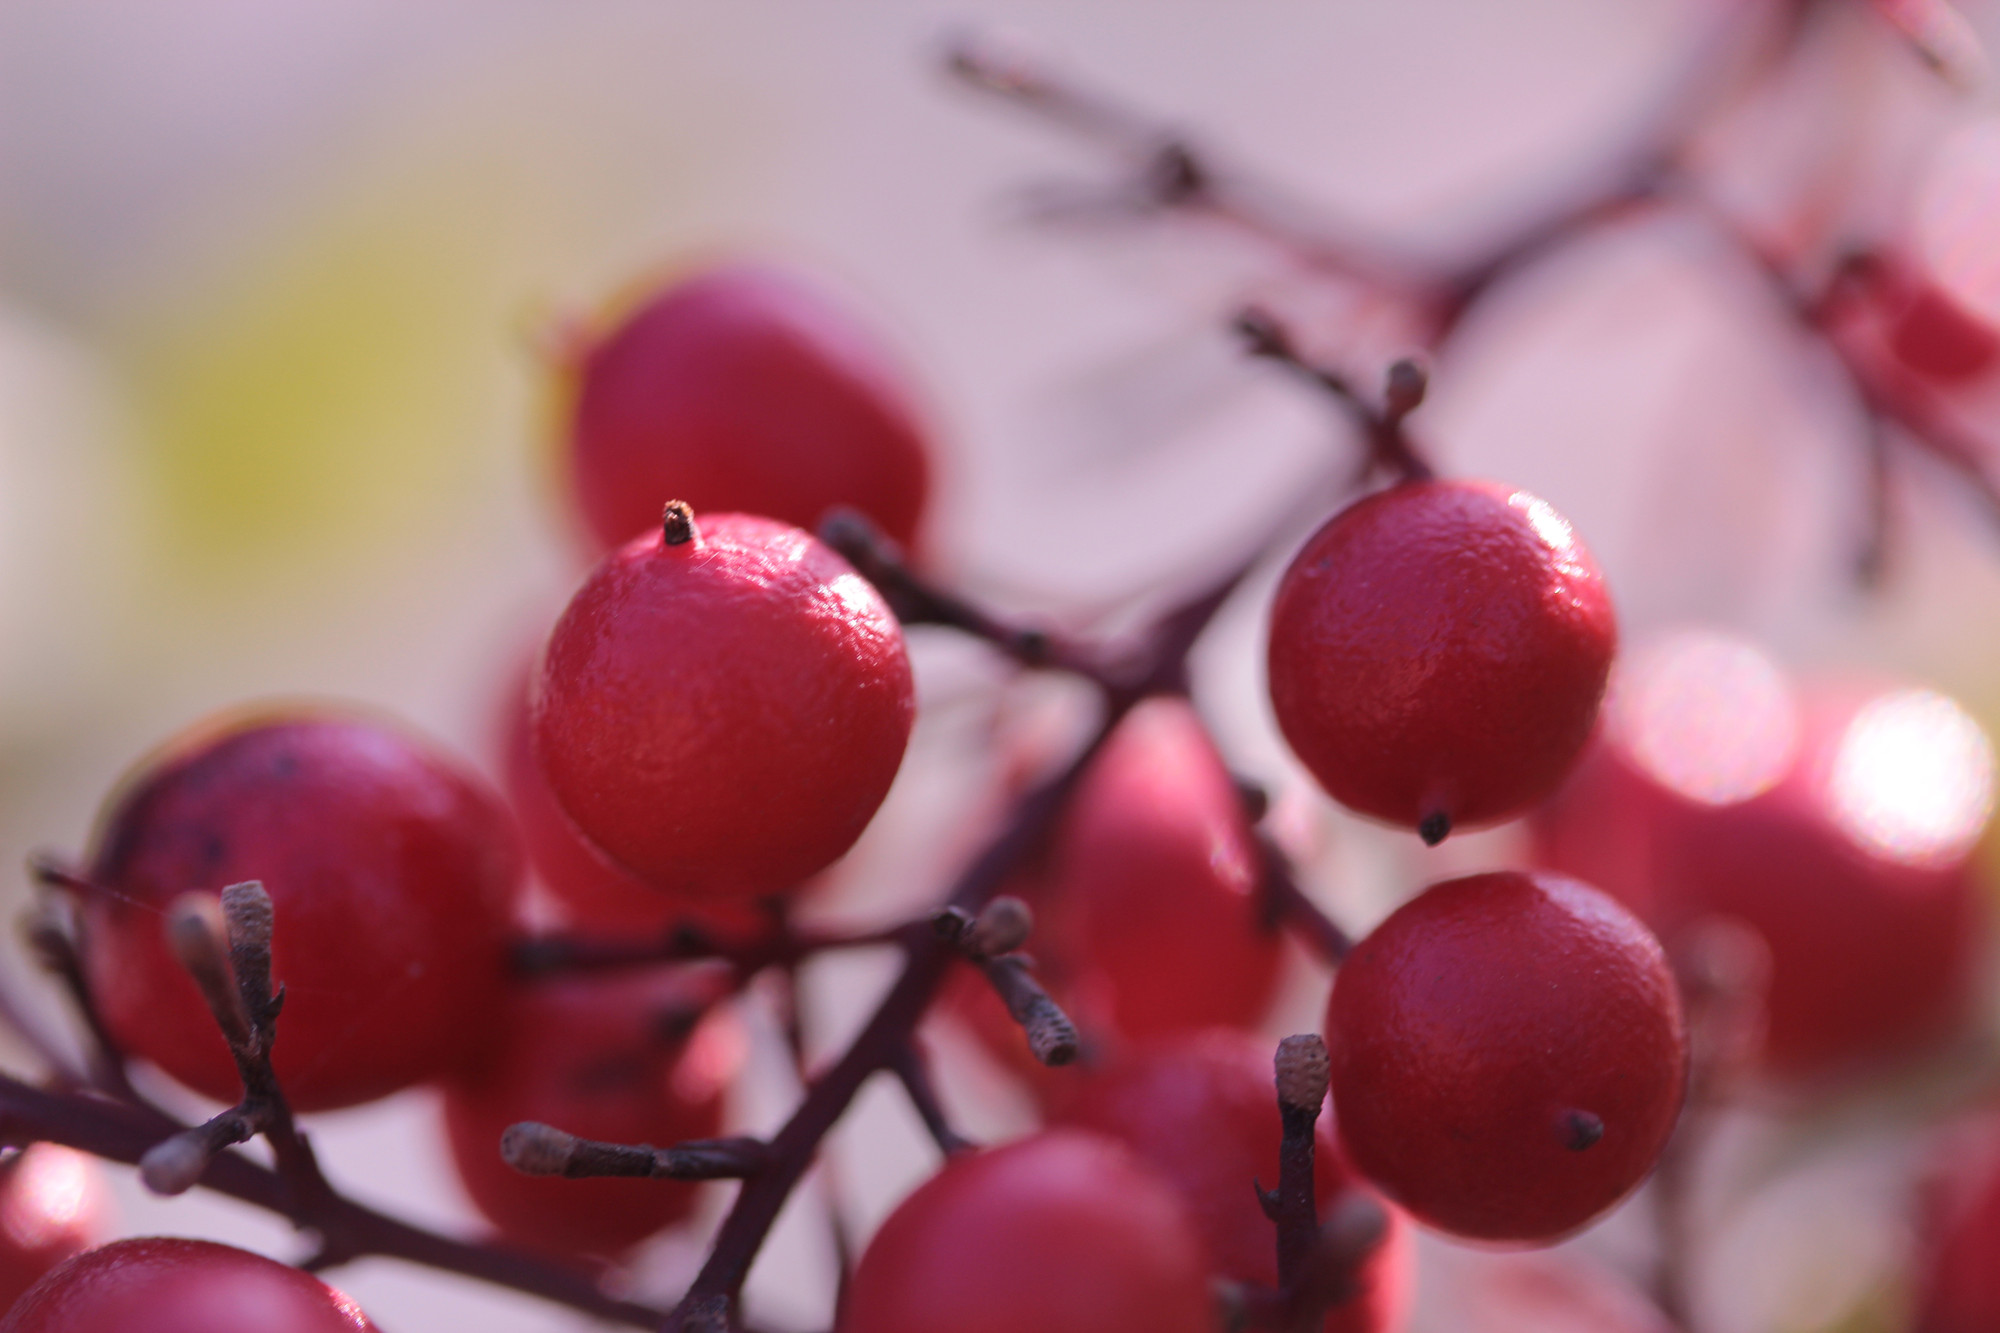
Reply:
x=917, y=602
x=677, y=523
x=1389, y=446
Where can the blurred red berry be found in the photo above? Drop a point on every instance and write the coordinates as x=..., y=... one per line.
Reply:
x=1839, y=827
x=742, y=388
x=722, y=714
x=169, y=1285
x=1064, y=1232
x=632, y=1058
x=1938, y=338
x=1201, y=1110
x=1508, y=1055
x=1437, y=653
x=392, y=875
x=53, y=1202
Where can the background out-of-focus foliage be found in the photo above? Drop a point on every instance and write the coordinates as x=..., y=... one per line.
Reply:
x=278, y=284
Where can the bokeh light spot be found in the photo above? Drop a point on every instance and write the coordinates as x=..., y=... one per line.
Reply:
x=1707, y=716
x=1913, y=778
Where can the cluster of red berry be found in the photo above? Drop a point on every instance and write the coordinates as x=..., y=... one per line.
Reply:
x=720, y=711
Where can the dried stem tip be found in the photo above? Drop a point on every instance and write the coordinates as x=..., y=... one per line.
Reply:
x=1303, y=1071
x=246, y=911
x=535, y=1149
x=1434, y=828
x=677, y=523
x=173, y=1165
x=1002, y=927
x=196, y=932
x=1404, y=390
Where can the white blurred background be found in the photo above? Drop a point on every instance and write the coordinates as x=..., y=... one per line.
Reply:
x=272, y=414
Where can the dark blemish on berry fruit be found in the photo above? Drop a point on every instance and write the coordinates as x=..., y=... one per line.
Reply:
x=677, y=523
x=1578, y=1130
x=1434, y=827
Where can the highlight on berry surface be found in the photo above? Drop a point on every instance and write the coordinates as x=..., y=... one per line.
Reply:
x=1437, y=653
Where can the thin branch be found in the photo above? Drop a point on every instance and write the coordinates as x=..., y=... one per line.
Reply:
x=123, y=1133
x=918, y=602
x=1389, y=446
x=913, y=1072
x=536, y=1149
x=1286, y=904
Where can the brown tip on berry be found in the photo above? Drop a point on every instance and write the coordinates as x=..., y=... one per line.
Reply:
x=1579, y=1130
x=1303, y=1071
x=677, y=523
x=536, y=1149
x=1434, y=827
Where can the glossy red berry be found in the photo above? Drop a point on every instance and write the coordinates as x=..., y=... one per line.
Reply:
x=743, y=389
x=1437, y=653
x=53, y=1202
x=1839, y=824
x=634, y=1058
x=1201, y=1110
x=594, y=896
x=169, y=1285
x=1064, y=1232
x=392, y=875
x=722, y=713
x=1508, y=1055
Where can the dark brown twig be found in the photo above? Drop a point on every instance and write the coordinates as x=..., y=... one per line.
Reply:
x=1389, y=446
x=913, y=1072
x=1286, y=904
x=121, y=1132
x=536, y=1149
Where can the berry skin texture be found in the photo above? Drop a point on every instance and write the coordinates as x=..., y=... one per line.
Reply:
x=1438, y=651
x=722, y=715
x=742, y=389
x=1200, y=1109
x=625, y=1058
x=169, y=1285
x=1063, y=1232
x=53, y=1202
x=594, y=895
x=392, y=875
x=1508, y=1055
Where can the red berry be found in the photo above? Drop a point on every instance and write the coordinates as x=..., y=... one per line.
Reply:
x=1958, y=1288
x=1148, y=919
x=1437, y=653
x=1201, y=1110
x=169, y=1285
x=722, y=714
x=1064, y=1232
x=1844, y=840
x=1152, y=885
x=629, y=1059
x=52, y=1206
x=391, y=872
x=594, y=894
x=741, y=389
x=1935, y=336
x=1508, y=1055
